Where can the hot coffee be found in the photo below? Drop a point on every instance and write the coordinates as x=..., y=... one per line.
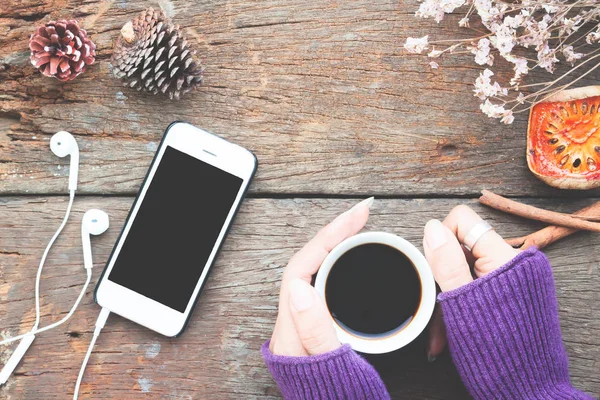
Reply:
x=373, y=289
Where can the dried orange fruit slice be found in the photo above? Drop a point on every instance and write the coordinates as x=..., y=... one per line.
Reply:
x=563, y=139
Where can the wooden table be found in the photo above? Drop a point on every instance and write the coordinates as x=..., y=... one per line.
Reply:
x=335, y=112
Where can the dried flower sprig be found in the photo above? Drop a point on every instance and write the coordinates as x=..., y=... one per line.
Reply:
x=555, y=29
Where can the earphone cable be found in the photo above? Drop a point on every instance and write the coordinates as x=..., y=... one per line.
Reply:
x=43, y=260
x=28, y=338
x=57, y=323
x=38, y=277
x=100, y=322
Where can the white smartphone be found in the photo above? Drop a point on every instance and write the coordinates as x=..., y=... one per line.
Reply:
x=175, y=228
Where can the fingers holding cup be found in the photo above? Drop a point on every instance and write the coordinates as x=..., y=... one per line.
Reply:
x=489, y=250
x=306, y=262
x=445, y=256
x=313, y=322
x=436, y=337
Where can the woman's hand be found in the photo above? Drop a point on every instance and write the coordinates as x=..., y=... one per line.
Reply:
x=449, y=261
x=304, y=326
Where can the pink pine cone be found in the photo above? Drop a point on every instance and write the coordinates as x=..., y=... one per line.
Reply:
x=61, y=49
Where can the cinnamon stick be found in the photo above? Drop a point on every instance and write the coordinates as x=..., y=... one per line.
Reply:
x=524, y=210
x=551, y=234
x=592, y=218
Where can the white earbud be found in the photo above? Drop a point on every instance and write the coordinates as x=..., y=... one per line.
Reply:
x=63, y=144
x=94, y=222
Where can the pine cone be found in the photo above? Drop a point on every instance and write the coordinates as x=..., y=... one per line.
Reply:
x=61, y=49
x=152, y=54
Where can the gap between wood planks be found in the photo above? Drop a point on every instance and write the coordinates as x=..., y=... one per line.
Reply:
x=571, y=195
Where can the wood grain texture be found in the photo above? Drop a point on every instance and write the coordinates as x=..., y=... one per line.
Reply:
x=218, y=356
x=330, y=104
x=322, y=92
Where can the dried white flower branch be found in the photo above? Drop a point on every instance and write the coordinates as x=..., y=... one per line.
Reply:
x=552, y=28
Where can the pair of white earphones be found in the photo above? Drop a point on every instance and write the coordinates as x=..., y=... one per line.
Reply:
x=94, y=222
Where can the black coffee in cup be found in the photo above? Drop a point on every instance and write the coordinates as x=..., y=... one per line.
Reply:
x=373, y=290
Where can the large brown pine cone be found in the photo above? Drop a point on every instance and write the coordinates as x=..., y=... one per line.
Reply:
x=152, y=55
x=61, y=49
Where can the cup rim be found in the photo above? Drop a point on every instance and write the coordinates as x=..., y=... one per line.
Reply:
x=423, y=314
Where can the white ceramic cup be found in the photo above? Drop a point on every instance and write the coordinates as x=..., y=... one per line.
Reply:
x=385, y=343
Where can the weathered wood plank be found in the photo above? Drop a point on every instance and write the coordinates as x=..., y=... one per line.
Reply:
x=218, y=356
x=322, y=92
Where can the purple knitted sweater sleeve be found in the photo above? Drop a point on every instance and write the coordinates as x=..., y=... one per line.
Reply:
x=340, y=374
x=504, y=335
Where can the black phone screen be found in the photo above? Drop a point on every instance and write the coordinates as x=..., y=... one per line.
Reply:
x=175, y=229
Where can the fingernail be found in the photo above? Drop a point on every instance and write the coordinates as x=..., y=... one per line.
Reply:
x=431, y=358
x=435, y=234
x=368, y=202
x=301, y=295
